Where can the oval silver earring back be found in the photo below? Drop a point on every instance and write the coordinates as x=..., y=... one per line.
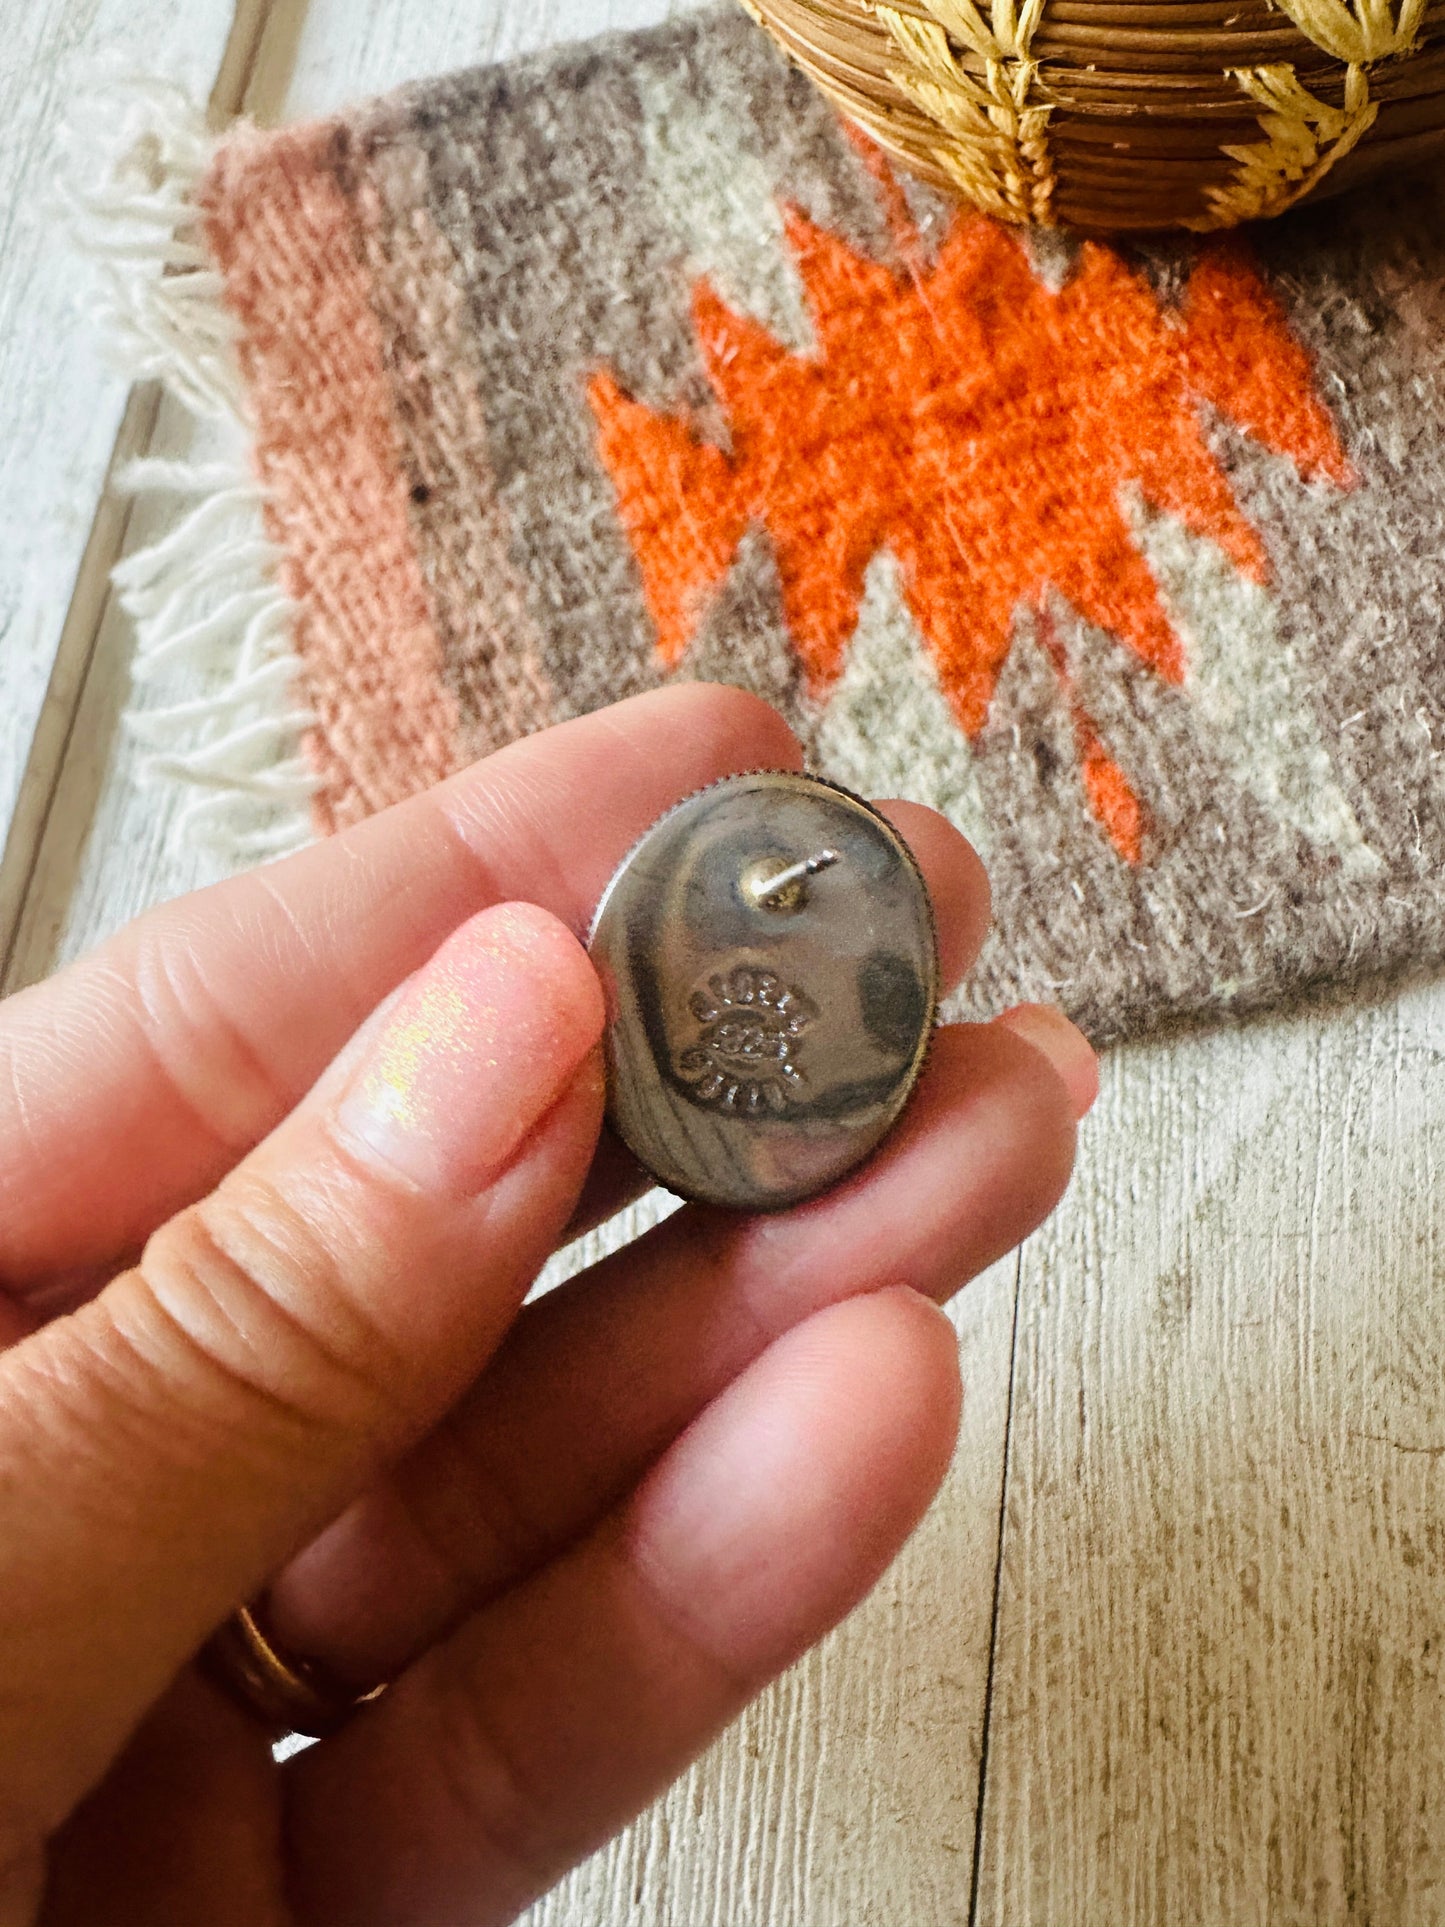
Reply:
x=767, y=950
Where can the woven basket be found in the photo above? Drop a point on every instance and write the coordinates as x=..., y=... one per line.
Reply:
x=1104, y=115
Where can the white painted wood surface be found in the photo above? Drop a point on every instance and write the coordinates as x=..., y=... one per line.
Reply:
x=1203, y=1684
x=1218, y=1693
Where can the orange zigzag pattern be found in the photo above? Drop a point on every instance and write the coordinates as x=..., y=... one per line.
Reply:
x=983, y=427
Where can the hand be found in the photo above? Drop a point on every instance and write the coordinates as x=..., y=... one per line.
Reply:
x=277, y=1167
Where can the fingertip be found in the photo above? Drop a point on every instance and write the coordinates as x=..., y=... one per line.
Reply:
x=1067, y=1049
x=520, y=954
x=781, y=1507
x=891, y=1357
x=523, y=936
x=732, y=729
x=485, y=1039
x=957, y=882
x=922, y=1328
x=981, y=1155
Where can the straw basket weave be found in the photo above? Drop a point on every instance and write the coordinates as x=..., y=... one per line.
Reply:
x=1111, y=114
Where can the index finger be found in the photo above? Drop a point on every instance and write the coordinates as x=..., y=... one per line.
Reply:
x=132, y=1081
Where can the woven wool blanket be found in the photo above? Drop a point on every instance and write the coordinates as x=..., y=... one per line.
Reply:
x=630, y=363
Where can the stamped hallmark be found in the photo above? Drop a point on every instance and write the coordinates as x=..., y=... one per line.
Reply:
x=744, y=1058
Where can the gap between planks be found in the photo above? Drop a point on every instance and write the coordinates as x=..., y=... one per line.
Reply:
x=993, y=1623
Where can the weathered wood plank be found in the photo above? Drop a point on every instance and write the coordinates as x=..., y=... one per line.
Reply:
x=1218, y=1692
x=63, y=406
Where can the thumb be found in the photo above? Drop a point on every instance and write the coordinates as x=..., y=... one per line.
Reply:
x=167, y=1447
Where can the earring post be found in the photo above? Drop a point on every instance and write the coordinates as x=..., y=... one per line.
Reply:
x=765, y=889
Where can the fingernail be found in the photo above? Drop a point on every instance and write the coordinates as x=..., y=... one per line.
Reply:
x=481, y=1045
x=1066, y=1048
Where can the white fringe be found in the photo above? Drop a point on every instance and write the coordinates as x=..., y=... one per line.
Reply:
x=214, y=665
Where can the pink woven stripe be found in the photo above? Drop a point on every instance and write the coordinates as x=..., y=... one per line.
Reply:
x=491, y=647
x=326, y=452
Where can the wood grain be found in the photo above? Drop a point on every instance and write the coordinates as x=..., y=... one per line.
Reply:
x=1218, y=1693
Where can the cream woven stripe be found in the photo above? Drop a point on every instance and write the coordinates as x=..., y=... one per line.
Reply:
x=993, y=135
x=1304, y=137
